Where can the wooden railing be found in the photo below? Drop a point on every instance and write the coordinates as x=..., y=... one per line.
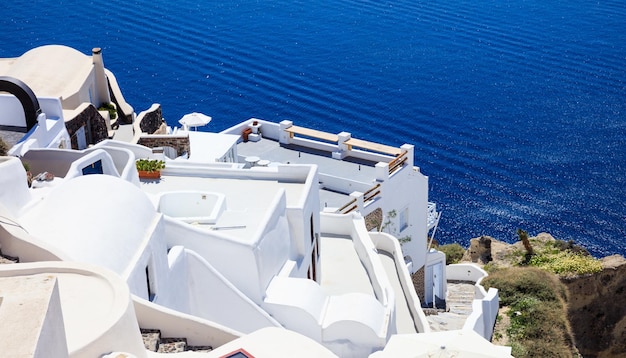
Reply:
x=371, y=193
x=397, y=162
x=375, y=147
x=348, y=207
x=352, y=205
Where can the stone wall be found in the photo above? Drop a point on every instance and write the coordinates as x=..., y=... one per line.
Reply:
x=418, y=283
x=94, y=124
x=151, y=120
x=178, y=142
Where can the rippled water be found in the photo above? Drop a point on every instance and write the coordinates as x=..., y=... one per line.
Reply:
x=517, y=108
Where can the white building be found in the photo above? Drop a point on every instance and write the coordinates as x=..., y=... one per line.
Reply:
x=262, y=241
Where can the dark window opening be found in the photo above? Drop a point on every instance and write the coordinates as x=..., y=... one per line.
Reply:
x=151, y=294
x=94, y=168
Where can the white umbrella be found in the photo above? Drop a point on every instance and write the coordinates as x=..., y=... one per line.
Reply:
x=194, y=119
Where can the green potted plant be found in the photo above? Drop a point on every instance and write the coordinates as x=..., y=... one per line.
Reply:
x=149, y=168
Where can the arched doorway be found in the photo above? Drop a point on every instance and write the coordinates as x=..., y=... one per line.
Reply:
x=26, y=97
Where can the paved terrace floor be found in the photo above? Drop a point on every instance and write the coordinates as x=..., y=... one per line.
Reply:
x=404, y=319
x=349, y=168
x=342, y=271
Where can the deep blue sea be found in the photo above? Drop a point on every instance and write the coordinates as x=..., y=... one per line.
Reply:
x=517, y=108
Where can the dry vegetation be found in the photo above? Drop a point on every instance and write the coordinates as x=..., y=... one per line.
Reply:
x=533, y=316
x=534, y=303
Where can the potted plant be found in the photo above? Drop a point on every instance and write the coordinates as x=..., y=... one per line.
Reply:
x=149, y=168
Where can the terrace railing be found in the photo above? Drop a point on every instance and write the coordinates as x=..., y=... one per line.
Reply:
x=368, y=196
x=398, y=162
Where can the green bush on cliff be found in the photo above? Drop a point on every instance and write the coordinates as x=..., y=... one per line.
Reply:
x=110, y=107
x=537, y=311
x=565, y=260
x=567, y=263
x=454, y=252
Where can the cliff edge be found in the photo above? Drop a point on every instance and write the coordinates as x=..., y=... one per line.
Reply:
x=597, y=309
x=596, y=303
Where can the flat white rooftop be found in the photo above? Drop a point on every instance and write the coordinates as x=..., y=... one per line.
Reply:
x=247, y=201
x=342, y=270
x=349, y=168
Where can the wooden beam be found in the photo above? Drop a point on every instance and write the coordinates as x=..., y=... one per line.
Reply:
x=376, y=147
x=312, y=133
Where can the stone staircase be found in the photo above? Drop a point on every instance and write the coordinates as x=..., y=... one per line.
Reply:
x=153, y=341
x=458, y=307
x=460, y=297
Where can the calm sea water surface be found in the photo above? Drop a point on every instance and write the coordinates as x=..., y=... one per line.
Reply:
x=517, y=108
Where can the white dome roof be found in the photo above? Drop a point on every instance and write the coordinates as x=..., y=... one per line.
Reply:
x=98, y=219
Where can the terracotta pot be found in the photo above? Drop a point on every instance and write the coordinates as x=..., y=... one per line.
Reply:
x=144, y=174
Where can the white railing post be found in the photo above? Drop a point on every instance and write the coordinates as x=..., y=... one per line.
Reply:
x=283, y=136
x=410, y=150
x=382, y=171
x=359, y=200
x=342, y=147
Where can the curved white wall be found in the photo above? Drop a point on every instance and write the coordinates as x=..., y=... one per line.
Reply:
x=82, y=217
x=14, y=192
x=388, y=243
x=98, y=315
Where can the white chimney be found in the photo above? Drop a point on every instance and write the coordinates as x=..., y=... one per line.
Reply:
x=102, y=86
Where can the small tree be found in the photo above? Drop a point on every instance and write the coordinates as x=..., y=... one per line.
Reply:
x=390, y=227
x=523, y=237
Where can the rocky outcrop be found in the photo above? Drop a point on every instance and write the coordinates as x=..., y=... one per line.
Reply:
x=479, y=250
x=597, y=310
x=151, y=120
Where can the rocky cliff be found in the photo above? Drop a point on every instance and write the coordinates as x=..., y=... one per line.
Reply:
x=596, y=302
x=597, y=310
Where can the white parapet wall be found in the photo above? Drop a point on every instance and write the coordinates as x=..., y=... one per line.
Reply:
x=91, y=305
x=389, y=244
x=486, y=303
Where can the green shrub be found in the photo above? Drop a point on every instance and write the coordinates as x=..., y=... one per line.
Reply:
x=517, y=282
x=566, y=263
x=150, y=165
x=537, y=311
x=110, y=107
x=454, y=252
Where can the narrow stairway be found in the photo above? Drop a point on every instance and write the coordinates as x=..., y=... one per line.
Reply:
x=153, y=341
x=458, y=307
x=460, y=297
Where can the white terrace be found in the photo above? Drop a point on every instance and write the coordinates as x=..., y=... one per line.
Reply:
x=354, y=175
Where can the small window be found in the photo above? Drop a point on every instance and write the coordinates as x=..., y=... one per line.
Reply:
x=404, y=218
x=93, y=168
x=151, y=293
